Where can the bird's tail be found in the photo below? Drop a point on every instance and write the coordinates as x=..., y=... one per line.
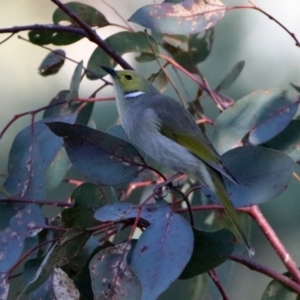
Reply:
x=221, y=193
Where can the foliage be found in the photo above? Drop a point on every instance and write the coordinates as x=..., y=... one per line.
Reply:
x=85, y=251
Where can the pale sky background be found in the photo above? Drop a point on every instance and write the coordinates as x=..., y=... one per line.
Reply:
x=272, y=60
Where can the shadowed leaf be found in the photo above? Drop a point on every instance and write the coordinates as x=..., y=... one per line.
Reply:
x=52, y=63
x=102, y=157
x=87, y=198
x=288, y=141
x=210, y=250
x=121, y=42
x=112, y=277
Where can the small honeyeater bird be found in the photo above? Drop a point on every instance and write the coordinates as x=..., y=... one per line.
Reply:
x=168, y=133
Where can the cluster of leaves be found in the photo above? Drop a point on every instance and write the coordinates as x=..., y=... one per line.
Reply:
x=70, y=257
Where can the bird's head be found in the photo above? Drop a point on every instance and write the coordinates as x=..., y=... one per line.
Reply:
x=130, y=84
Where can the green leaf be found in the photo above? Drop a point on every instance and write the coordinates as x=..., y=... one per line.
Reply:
x=75, y=82
x=112, y=277
x=184, y=18
x=161, y=253
x=52, y=63
x=87, y=198
x=87, y=13
x=231, y=76
x=102, y=157
x=257, y=118
x=288, y=141
x=276, y=290
x=58, y=38
x=121, y=42
x=192, y=49
x=210, y=250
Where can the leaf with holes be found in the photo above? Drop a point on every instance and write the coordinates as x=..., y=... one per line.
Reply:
x=187, y=17
x=112, y=277
x=102, y=157
x=257, y=118
x=52, y=63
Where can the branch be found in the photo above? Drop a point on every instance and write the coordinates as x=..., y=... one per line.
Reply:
x=92, y=35
x=22, y=200
x=262, y=222
x=267, y=271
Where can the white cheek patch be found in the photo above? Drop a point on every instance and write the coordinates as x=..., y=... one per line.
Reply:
x=133, y=94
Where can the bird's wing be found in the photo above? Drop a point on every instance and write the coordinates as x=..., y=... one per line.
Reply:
x=176, y=123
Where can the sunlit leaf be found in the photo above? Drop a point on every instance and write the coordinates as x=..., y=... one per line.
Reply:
x=52, y=63
x=102, y=157
x=257, y=118
x=112, y=277
x=186, y=17
x=121, y=42
x=161, y=254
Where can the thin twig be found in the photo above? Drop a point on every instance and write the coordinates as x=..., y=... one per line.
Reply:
x=43, y=202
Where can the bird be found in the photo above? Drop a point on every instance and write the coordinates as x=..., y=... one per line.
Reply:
x=167, y=132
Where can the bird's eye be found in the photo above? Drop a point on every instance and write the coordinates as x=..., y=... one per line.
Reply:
x=128, y=77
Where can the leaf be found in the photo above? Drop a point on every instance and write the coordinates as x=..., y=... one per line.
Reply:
x=191, y=50
x=159, y=80
x=276, y=290
x=122, y=211
x=210, y=250
x=288, y=141
x=103, y=158
x=24, y=224
x=52, y=63
x=261, y=115
x=71, y=242
x=58, y=38
x=262, y=174
x=184, y=18
x=63, y=286
x=161, y=254
x=87, y=13
x=75, y=82
x=4, y=286
x=121, y=42
x=112, y=277
x=231, y=76
x=296, y=87
x=87, y=198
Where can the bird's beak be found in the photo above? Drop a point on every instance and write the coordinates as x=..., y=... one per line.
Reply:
x=110, y=71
